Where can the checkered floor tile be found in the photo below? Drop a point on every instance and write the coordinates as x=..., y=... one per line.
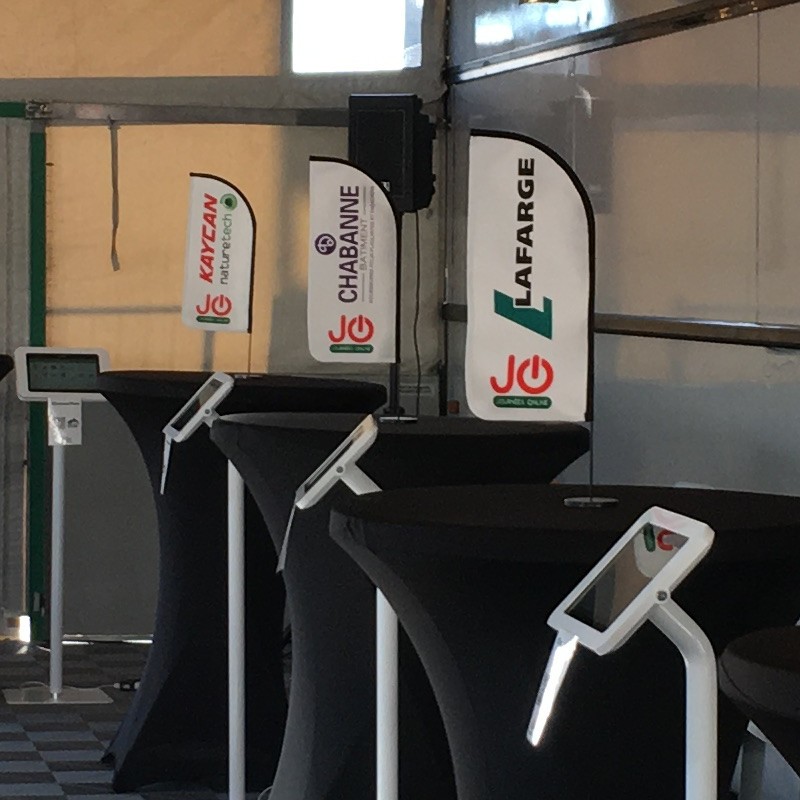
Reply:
x=50, y=751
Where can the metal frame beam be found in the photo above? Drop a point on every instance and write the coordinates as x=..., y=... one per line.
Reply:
x=750, y=334
x=675, y=20
x=57, y=113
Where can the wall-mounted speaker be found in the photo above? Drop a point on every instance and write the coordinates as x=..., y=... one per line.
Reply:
x=392, y=141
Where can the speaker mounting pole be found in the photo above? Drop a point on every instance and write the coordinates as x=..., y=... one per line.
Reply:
x=394, y=409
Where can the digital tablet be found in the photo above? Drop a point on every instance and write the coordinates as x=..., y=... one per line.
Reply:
x=330, y=471
x=656, y=553
x=199, y=405
x=59, y=373
x=609, y=605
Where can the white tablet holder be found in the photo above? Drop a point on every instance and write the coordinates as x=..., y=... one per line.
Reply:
x=631, y=584
x=199, y=409
x=342, y=466
x=58, y=375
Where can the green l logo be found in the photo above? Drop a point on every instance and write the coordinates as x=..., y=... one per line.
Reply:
x=537, y=320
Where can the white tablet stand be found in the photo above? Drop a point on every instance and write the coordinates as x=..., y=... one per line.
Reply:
x=339, y=466
x=199, y=409
x=631, y=584
x=57, y=375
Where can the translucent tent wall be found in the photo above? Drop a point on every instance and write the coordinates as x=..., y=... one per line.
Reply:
x=239, y=56
x=192, y=85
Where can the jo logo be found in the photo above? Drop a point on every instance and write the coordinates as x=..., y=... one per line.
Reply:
x=532, y=375
x=219, y=306
x=359, y=329
x=325, y=244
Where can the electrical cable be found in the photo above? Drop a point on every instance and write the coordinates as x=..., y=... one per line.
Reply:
x=416, y=317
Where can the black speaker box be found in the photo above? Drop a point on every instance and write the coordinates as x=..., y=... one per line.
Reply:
x=392, y=141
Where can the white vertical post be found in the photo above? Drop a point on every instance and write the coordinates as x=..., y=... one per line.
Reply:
x=386, y=679
x=701, y=697
x=57, y=573
x=387, y=743
x=236, y=645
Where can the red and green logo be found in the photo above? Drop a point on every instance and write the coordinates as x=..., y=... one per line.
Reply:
x=352, y=335
x=524, y=383
x=215, y=310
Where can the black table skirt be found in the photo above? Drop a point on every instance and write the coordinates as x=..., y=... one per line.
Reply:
x=176, y=729
x=328, y=751
x=474, y=573
x=6, y=365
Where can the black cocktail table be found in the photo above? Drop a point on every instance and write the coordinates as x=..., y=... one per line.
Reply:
x=6, y=365
x=473, y=573
x=328, y=751
x=176, y=729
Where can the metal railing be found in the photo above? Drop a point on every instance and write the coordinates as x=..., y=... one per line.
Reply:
x=751, y=334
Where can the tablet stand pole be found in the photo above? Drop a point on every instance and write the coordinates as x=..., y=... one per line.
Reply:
x=701, y=696
x=55, y=693
x=386, y=669
x=57, y=573
x=236, y=645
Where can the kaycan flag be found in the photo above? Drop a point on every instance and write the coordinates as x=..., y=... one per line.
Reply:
x=530, y=278
x=220, y=245
x=352, y=266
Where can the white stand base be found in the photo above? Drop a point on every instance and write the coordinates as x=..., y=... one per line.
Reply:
x=41, y=695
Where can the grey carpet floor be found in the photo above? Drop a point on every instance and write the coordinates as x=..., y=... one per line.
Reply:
x=54, y=751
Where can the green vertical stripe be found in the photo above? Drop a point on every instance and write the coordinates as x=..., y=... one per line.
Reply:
x=12, y=110
x=37, y=440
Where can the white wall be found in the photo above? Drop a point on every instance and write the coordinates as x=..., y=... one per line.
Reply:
x=691, y=153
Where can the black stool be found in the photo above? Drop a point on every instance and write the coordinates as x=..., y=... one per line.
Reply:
x=760, y=673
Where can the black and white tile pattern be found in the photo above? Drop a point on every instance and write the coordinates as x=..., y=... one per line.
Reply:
x=55, y=751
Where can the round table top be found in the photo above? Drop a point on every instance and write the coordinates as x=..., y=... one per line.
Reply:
x=424, y=426
x=6, y=365
x=281, y=392
x=531, y=523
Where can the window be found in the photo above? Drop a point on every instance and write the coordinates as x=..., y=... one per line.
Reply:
x=356, y=35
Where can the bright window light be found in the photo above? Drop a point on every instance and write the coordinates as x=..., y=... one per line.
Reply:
x=25, y=629
x=356, y=35
x=493, y=29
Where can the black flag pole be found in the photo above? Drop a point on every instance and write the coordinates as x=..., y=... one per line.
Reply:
x=394, y=409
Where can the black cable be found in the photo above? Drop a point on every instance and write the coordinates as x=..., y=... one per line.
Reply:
x=416, y=317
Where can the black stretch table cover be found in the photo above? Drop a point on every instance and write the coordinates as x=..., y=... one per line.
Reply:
x=760, y=673
x=474, y=573
x=6, y=365
x=176, y=729
x=328, y=751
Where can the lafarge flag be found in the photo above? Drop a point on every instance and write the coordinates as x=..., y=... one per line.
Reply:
x=530, y=267
x=352, y=265
x=218, y=275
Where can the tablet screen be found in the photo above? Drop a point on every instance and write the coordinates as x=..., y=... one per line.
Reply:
x=635, y=565
x=62, y=372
